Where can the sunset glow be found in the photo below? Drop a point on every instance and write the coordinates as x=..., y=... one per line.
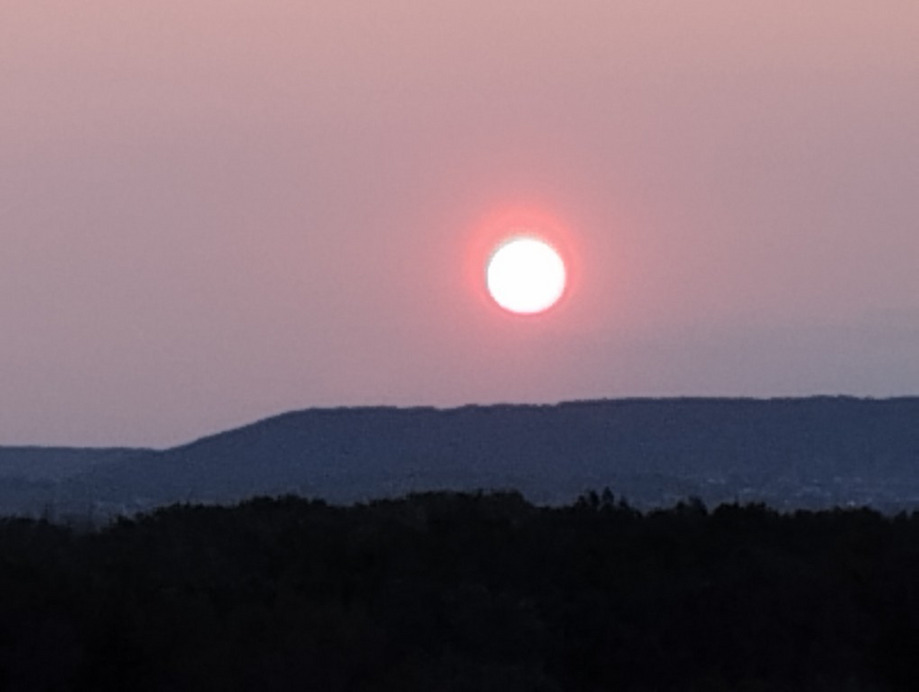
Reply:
x=525, y=276
x=212, y=211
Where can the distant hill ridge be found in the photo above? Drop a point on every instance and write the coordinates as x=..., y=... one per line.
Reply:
x=56, y=463
x=549, y=452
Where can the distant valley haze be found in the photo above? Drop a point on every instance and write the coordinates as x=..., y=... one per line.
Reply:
x=814, y=452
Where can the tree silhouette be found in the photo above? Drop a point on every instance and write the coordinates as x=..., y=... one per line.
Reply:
x=455, y=591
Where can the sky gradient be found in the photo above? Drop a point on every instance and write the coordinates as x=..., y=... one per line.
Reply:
x=212, y=211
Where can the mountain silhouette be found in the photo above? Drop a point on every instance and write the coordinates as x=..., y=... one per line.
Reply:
x=645, y=449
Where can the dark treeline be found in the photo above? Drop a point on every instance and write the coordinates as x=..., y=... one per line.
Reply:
x=462, y=592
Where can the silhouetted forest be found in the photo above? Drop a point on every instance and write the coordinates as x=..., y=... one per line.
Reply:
x=462, y=592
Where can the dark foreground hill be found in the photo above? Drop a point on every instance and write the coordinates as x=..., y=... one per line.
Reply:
x=814, y=452
x=471, y=593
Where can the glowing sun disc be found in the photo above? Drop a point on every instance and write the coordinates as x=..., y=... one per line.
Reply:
x=525, y=275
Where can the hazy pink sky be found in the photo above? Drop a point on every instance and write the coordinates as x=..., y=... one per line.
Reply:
x=216, y=210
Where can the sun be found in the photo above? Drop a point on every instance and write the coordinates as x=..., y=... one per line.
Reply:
x=525, y=275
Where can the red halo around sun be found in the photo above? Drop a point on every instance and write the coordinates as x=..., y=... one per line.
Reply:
x=499, y=228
